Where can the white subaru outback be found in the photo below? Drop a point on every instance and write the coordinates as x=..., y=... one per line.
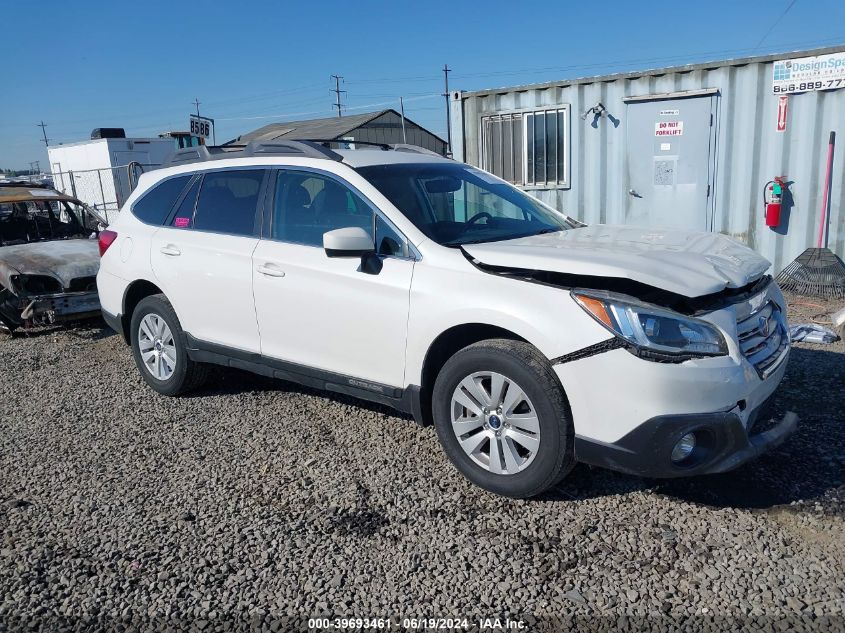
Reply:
x=530, y=340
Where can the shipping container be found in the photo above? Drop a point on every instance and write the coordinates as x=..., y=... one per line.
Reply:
x=689, y=146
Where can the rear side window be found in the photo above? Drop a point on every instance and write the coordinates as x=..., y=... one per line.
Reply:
x=155, y=205
x=227, y=202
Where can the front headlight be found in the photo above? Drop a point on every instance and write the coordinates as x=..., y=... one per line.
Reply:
x=655, y=333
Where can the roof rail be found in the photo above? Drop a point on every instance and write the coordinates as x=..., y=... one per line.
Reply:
x=202, y=153
x=398, y=147
x=306, y=149
x=313, y=148
x=191, y=155
x=342, y=141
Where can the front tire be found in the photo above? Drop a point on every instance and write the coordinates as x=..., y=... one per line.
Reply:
x=159, y=347
x=502, y=418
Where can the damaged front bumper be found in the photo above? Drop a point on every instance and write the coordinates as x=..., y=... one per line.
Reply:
x=723, y=442
x=45, y=309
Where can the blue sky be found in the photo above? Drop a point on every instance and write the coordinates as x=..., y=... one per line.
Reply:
x=81, y=65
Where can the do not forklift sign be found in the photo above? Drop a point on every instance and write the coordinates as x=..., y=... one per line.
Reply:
x=669, y=128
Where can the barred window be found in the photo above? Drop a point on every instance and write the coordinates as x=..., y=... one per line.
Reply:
x=503, y=142
x=528, y=148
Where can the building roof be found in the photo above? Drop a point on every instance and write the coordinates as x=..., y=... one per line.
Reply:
x=712, y=65
x=311, y=129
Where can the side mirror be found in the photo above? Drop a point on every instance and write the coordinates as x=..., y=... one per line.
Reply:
x=351, y=241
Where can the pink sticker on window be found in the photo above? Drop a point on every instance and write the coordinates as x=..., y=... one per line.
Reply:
x=181, y=223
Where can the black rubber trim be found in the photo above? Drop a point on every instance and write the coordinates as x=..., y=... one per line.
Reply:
x=590, y=350
x=723, y=444
x=412, y=398
x=640, y=352
x=115, y=322
x=404, y=400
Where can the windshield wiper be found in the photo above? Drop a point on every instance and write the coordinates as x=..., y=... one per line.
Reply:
x=501, y=238
x=460, y=242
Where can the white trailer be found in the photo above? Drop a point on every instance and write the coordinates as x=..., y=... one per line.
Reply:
x=97, y=171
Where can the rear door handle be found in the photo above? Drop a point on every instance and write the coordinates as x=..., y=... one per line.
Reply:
x=171, y=250
x=271, y=270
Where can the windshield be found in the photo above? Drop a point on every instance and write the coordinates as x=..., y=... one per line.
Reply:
x=43, y=220
x=455, y=204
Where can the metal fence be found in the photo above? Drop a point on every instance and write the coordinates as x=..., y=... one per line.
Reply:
x=104, y=189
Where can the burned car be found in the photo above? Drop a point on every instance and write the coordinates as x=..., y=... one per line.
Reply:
x=48, y=256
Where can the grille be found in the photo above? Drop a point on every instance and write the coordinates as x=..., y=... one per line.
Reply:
x=763, y=339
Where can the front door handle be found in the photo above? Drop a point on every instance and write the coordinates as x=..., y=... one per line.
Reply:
x=171, y=250
x=271, y=270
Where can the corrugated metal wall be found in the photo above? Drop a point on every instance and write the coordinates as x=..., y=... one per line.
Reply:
x=749, y=149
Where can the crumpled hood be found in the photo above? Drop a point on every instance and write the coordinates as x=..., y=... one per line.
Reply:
x=687, y=263
x=63, y=259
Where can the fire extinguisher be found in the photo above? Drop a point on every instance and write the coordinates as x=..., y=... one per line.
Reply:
x=773, y=200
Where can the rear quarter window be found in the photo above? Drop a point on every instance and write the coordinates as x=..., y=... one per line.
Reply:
x=155, y=205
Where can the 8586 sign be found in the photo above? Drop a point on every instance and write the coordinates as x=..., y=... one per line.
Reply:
x=200, y=127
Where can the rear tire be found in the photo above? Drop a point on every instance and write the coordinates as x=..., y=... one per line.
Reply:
x=160, y=348
x=537, y=418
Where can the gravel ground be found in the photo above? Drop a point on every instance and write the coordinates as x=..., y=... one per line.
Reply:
x=256, y=504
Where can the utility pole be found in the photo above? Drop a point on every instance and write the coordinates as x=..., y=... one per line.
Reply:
x=446, y=71
x=197, y=103
x=337, y=91
x=402, y=112
x=43, y=127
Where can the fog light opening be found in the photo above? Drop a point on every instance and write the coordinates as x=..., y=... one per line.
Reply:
x=683, y=449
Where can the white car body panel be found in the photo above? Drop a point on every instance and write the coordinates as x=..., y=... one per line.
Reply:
x=323, y=312
x=209, y=283
x=448, y=291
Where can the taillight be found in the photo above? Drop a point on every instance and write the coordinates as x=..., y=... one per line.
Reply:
x=105, y=240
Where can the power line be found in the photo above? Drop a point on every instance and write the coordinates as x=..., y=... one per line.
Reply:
x=337, y=91
x=283, y=115
x=632, y=62
x=772, y=27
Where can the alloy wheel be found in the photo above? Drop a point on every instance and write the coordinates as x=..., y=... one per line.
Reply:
x=157, y=347
x=495, y=423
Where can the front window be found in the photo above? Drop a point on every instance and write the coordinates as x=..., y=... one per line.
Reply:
x=307, y=205
x=456, y=204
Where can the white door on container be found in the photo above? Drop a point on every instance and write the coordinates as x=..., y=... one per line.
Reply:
x=670, y=152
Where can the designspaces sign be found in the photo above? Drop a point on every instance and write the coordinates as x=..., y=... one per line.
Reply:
x=824, y=72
